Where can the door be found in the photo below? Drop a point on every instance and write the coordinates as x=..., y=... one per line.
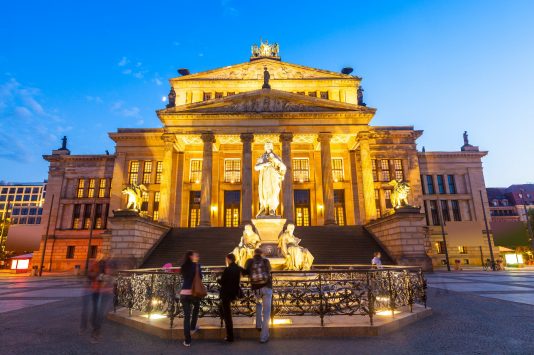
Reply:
x=232, y=208
x=194, y=209
x=302, y=207
x=339, y=207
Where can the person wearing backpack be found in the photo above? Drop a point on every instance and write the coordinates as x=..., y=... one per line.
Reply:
x=189, y=300
x=230, y=291
x=258, y=270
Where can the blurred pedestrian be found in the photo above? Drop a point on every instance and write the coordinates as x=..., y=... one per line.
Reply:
x=376, y=262
x=190, y=301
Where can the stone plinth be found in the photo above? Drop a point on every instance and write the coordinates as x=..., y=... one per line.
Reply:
x=269, y=228
x=133, y=236
x=403, y=236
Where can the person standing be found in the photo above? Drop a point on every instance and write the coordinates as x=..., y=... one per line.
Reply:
x=190, y=304
x=230, y=291
x=376, y=262
x=258, y=270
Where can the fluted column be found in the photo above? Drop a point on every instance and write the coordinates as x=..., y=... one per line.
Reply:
x=287, y=184
x=246, y=178
x=166, y=178
x=328, y=183
x=367, y=178
x=205, y=189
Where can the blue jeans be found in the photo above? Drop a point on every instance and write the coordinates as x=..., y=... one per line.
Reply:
x=264, y=298
x=190, y=321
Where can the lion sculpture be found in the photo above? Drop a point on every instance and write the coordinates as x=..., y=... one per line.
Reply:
x=135, y=196
x=399, y=195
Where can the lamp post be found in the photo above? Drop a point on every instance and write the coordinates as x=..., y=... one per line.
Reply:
x=46, y=236
x=522, y=196
x=442, y=224
x=487, y=231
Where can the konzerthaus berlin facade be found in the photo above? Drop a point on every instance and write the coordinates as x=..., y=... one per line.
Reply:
x=199, y=166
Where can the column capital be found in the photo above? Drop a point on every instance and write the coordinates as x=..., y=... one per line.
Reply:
x=364, y=135
x=286, y=137
x=168, y=138
x=208, y=137
x=324, y=136
x=247, y=137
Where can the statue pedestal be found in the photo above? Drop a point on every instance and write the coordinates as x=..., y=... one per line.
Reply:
x=269, y=228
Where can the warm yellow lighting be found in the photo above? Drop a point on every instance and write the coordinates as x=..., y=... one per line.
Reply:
x=386, y=312
x=154, y=316
x=197, y=181
x=320, y=207
x=301, y=180
x=281, y=321
x=213, y=208
x=513, y=259
x=382, y=298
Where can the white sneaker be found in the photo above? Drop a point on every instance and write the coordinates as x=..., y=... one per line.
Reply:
x=197, y=329
x=186, y=344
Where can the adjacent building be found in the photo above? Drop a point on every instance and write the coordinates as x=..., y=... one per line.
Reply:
x=198, y=168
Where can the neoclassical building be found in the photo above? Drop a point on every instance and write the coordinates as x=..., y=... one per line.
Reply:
x=198, y=167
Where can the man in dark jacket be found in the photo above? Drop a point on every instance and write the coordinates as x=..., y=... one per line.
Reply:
x=230, y=291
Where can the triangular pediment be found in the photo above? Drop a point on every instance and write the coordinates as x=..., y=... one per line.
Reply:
x=266, y=101
x=254, y=71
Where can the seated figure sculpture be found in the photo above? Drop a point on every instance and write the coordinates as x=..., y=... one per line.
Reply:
x=296, y=257
x=249, y=242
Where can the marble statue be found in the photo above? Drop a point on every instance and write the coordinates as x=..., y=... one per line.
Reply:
x=466, y=138
x=266, y=77
x=245, y=249
x=135, y=196
x=360, y=96
x=64, y=143
x=265, y=49
x=272, y=171
x=399, y=195
x=172, y=98
x=296, y=257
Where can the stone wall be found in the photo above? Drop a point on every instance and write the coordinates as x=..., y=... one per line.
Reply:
x=132, y=237
x=404, y=237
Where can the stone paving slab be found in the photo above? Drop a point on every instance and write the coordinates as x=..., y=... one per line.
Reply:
x=51, y=292
x=16, y=304
x=526, y=298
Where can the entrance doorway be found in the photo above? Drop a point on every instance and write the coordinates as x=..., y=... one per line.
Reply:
x=339, y=207
x=232, y=211
x=302, y=207
x=194, y=209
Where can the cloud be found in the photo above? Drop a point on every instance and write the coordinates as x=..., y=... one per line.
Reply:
x=228, y=8
x=95, y=99
x=176, y=43
x=124, y=61
x=119, y=108
x=200, y=54
x=135, y=70
x=26, y=124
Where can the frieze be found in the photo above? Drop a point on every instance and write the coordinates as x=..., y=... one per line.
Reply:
x=264, y=104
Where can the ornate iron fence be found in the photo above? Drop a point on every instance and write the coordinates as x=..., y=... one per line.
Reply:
x=323, y=291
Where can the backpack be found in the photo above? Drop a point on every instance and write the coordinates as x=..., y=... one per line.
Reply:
x=259, y=274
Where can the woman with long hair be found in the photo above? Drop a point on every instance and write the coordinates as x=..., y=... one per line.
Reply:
x=190, y=304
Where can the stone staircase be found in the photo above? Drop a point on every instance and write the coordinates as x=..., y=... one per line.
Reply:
x=328, y=244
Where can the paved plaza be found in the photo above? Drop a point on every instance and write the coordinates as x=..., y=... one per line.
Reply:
x=473, y=313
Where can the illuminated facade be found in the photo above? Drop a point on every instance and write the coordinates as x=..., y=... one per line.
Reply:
x=198, y=167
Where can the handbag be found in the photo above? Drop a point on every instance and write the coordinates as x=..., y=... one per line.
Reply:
x=198, y=290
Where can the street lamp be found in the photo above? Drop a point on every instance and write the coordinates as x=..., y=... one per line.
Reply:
x=487, y=231
x=522, y=197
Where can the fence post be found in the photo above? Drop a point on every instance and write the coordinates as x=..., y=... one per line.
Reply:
x=370, y=298
x=321, y=302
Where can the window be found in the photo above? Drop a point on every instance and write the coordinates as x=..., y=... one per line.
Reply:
x=76, y=216
x=155, y=214
x=194, y=209
x=434, y=212
x=26, y=198
x=302, y=207
x=91, y=192
x=195, y=174
x=159, y=171
x=441, y=184
x=28, y=190
x=324, y=95
x=337, y=169
x=440, y=247
x=87, y=216
x=375, y=171
x=430, y=185
x=147, y=172
x=79, y=192
x=230, y=93
x=232, y=201
x=456, y=214
x=93, y=251
x=24, y=211
x=301, y=93
x=312, y=93
x=219, y=95
x=387, y=198
x=452, y=184
x=102, y=188
x=399, y=173
x=35, y=197
x=377, y=203
x=70, y=251
x=462, y=250
x=98, y=217
x=144, y=201
x=339, y=207
x=133, y=172
x=232, y=170
x=301, y=170
x=31, y=220
x=35, y=190
x=206, y=96
x=445, y=211
x=384, y=170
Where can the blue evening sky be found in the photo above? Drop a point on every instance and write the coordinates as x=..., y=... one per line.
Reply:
x=85, y=68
